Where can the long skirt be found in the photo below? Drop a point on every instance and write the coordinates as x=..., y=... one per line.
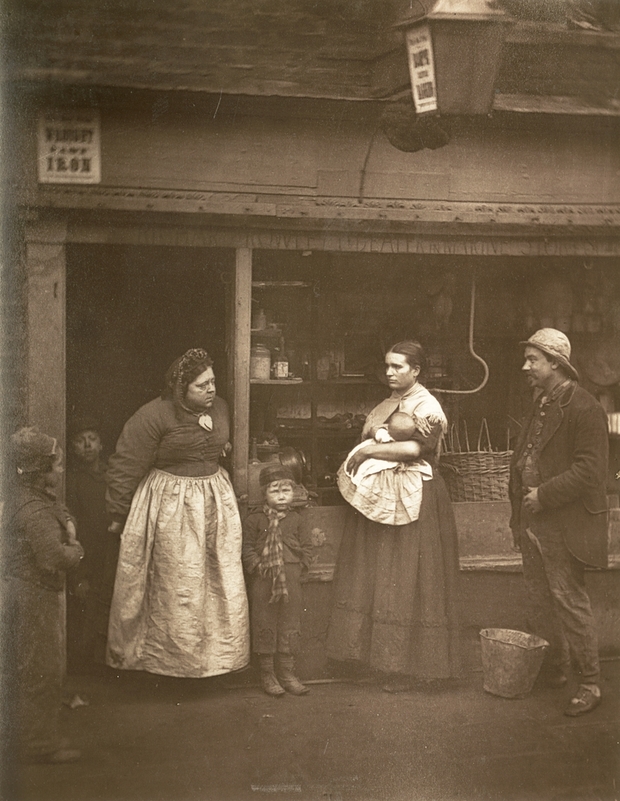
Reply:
x=179, y=606
x=395, y=592
x=37, y=657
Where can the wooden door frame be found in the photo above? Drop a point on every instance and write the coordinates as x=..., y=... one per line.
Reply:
x=45, y=270
x=239, y=367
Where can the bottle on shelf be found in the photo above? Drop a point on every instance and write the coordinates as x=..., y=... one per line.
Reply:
x=280, y=362
x=253, y=452
x=259, y=320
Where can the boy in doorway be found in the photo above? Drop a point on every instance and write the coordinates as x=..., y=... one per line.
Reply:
x=90, y=588
x=277, y=551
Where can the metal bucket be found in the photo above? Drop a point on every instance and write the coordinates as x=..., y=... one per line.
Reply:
x=511, y=661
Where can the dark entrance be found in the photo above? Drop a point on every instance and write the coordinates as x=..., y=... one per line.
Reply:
x=130, y=312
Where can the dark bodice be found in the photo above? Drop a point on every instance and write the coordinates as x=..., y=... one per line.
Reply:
x=165, y=436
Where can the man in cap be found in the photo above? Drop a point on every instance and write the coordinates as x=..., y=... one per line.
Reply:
x=559, y=511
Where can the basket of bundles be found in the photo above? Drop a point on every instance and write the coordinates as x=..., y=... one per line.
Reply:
x=478, y=475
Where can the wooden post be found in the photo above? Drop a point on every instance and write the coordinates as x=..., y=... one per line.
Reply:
x=45, y=327
x=242, y=310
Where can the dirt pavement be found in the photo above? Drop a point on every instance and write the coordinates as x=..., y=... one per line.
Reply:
x=147, y=738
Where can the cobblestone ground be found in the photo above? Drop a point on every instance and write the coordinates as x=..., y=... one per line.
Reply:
x=147, y=738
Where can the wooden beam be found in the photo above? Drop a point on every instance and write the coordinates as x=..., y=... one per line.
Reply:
x=242, y=309
x=203, y=216
x=45, y=326
x=551, y=104
x=539, y=238
x=550, y=33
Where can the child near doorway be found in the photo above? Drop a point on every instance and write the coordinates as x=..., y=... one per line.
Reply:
x=277, y=551
x=41, y=548
x=386, y=491
x=90, y=587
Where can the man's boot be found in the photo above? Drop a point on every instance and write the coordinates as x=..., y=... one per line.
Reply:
x=268, y=680
x=287, y=678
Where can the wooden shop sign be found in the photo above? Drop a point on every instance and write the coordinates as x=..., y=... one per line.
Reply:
x=69, y=147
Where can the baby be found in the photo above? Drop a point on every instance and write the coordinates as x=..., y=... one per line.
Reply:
x=386, y=491
x=398, y=428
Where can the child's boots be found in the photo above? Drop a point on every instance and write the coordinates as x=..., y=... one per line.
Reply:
x=268, y=679
x=287, y=678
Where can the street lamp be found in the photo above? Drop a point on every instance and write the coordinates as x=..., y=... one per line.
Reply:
x=454, y=49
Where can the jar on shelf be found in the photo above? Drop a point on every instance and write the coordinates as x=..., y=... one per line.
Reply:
x=260, y=363
x=280, y=365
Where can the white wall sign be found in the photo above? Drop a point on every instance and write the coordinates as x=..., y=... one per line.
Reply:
x=422, y=69
x=69, y=147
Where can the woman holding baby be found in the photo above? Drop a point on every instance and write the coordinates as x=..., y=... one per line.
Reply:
x=395, y=588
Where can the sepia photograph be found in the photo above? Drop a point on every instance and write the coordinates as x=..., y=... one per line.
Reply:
x=310, y=400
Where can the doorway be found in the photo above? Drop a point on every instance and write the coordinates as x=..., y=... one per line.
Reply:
x=131, y=310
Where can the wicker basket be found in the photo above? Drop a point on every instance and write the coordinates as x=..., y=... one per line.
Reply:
x=474, y=476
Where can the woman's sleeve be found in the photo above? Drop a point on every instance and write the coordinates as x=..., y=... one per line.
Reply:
x=43, y=533
x=428, y=435
x=135, y=454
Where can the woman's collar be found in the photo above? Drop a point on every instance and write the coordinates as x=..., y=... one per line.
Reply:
x=413, y=390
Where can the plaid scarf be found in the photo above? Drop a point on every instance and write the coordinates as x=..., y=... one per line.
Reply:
x=272, y=561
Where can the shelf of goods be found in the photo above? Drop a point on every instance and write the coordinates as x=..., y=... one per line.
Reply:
x=281, y=382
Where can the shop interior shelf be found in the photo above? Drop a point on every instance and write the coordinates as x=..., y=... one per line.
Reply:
x=281, y=382
x=323, y=383
x=266, y=332
x=348, y=379
x=326, y=383
x=290, y=284
x=320, y=432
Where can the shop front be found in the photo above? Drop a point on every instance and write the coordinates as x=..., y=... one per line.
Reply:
x=298, y=333
x=297, y=247
x=322, y=310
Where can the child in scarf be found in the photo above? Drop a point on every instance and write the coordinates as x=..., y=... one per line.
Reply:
x=276, y=552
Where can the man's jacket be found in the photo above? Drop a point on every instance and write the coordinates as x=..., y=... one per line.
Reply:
x=573, y=461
